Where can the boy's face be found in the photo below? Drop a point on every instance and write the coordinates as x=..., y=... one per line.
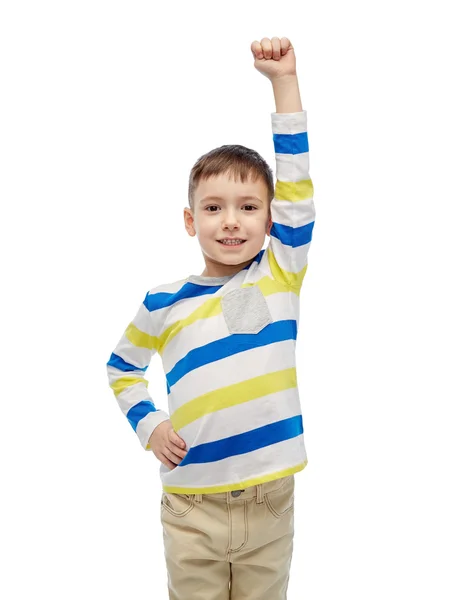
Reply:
x=229, y=215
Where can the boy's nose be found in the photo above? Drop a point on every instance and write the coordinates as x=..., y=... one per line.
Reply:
x=230, y=225
x=230, y=220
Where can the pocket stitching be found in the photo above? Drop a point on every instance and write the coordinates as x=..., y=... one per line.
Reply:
x=277, y=491
x=173, y=512
x=275, y=512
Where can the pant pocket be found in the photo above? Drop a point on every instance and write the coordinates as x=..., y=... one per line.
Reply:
x=281, y=501
x=177, y=505
x=245, y=310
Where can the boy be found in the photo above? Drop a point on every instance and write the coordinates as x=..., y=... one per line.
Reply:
x=234, y=438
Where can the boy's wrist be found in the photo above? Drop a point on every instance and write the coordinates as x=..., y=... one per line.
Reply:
x=287, y=94
x=285, y=77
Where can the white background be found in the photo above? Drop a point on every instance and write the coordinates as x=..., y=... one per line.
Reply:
x=105, y=107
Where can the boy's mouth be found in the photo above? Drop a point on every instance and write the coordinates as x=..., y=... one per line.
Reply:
x=231, y=242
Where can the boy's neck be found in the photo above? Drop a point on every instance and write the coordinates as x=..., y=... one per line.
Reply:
x=221, y=270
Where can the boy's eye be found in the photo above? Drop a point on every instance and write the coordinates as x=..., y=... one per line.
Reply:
x=245, y=206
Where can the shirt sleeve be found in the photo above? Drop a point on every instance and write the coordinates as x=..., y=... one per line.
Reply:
x=126, y=375
x=292, y=208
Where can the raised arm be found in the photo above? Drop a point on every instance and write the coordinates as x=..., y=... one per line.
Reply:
x=292, y=208
x=126, y=375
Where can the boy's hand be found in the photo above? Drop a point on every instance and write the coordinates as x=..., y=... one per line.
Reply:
x=167, y=445
x=274, y=58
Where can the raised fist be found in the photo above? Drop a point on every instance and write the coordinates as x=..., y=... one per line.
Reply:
x=274, y=58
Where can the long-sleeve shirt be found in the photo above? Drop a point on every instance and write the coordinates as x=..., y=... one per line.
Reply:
x=227, y=346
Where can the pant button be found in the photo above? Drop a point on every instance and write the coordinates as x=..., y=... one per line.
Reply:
x=236, y=493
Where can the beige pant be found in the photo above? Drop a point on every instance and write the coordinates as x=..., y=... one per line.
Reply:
x=231, y=545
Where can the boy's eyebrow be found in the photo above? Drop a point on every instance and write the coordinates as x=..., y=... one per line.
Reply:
x=211, y=197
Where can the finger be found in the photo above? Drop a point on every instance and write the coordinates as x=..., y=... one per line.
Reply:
x=285, y=45
x=276, y=48
x=165, y=461
x=266, y=45
x=175, y=438
x=257, y=50
x=171, y=456
x=178, y=451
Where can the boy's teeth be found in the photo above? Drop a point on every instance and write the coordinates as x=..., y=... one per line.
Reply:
x=232, y=243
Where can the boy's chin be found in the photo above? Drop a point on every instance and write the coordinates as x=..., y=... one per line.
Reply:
x=238, y=259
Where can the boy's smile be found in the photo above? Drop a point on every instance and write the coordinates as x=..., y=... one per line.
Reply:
x=231, y=219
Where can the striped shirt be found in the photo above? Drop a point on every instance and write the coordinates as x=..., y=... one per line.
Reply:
x=227, y=346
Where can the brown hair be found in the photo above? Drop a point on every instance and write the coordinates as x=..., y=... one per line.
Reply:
x=237, y=161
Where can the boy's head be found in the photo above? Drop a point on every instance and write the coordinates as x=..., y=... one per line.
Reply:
x=218, y=209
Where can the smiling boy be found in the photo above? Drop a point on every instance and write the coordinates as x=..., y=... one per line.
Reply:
x=230, y=218
x=234, y=438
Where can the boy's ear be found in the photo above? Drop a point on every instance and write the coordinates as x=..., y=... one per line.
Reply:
x=189, y=222
x=269, y=224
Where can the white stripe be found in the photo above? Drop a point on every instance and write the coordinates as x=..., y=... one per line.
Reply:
x=289, y=258
x=293, y=214
x=132, y=395
x=144, y=321
x=289, y=122
x=232, y=369
x=257, y=271
x=199, y=333
x=292, y=167
x=241, y=418
x=282, y=305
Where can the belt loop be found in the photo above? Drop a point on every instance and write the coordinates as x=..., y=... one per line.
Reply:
x=259, y=494
x=198, y=498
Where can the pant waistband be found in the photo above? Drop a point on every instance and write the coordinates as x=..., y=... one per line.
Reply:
x=257, y=491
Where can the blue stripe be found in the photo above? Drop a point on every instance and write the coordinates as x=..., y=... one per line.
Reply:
x=245, y=442
x=232, y=344
x=291, y=143
x=189, y=290
x=292, y=236
x=139, y=411
x=118, y=362
x=259, y=256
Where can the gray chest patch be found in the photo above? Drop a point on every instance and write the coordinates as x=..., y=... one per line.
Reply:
x=245, y=310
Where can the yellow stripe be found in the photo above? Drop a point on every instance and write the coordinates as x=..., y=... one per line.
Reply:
x=210, y=308
x=235, y=486
x=267, y=285
x=294, y=191
x=125, y=382
x=140, y=338
x=293, y=280
x=234, y=394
